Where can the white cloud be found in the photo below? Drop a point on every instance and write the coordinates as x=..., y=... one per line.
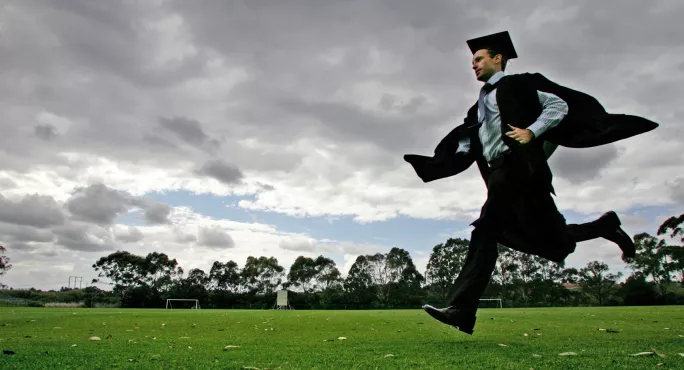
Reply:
x=195, y=240
x=298, y=244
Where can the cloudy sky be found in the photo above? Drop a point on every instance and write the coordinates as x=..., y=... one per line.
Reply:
x=215, y=130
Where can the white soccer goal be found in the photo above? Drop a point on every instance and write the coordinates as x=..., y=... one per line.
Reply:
x=169, y=303
x=281, y=301
x=499, y=302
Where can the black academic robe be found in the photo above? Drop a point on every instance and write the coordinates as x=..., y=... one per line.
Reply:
x=587, y=124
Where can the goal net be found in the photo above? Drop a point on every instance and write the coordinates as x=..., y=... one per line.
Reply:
x=182, y=303
x=281, y=301
x=491, y=303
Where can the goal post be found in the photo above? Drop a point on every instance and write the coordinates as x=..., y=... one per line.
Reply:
x=282, y=303
x=497, y=301
x=169, y=302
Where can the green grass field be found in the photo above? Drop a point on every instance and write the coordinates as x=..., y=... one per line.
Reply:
x=53, y=338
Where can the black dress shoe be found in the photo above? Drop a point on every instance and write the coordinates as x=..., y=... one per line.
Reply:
x=609, y=228
x=461, y=320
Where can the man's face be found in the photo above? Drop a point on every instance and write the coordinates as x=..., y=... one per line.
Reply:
x=485, y=66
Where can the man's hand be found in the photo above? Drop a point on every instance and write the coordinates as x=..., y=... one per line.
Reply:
x=523, y=136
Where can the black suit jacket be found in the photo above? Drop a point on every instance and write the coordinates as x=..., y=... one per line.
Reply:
x=587, y=124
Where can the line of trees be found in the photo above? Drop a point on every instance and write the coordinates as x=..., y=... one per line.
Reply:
x=374, y=281
x=391, y=280
x=4, y=264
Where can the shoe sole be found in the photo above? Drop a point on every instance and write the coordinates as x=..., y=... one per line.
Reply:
x=615, y=222
x=439, y=318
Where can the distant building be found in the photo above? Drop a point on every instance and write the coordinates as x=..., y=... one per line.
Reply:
x=571, y=286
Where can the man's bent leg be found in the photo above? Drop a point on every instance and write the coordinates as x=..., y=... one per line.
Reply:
x=607, y=226
x=583, y=232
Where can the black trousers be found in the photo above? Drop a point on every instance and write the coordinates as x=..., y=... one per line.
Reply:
x=511, y=194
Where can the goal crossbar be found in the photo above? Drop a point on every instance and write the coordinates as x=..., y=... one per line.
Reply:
x=170, y=305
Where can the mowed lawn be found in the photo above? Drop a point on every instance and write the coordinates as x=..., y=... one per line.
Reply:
x=506, y=338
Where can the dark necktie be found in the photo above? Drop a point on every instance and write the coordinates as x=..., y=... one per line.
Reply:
x=486, y=89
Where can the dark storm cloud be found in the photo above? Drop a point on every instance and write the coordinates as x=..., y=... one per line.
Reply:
x=158, y=142
x=284, y=48
x=83, y=237
x=221, y=171
x=189, y=131
x=155, y=213
x=10, y=232
x=32, y=210
x=427, y=43
x=578, y=166
x=121, y=46
x=300, y=59
x=100, y=204
x=19, y=246
x=677, y=190
x=348, y=124
x=45, y=132
x=215, y=237
x=90, y=62
x=365, y=82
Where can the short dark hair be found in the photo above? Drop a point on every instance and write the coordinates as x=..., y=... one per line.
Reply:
x=504, y=59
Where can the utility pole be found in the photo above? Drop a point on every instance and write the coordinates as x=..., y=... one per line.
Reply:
x=80, y=284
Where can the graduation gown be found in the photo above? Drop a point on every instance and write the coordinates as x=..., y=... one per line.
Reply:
x=587, y=124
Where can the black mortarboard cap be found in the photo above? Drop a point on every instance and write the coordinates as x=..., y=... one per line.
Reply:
x=500, y=42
